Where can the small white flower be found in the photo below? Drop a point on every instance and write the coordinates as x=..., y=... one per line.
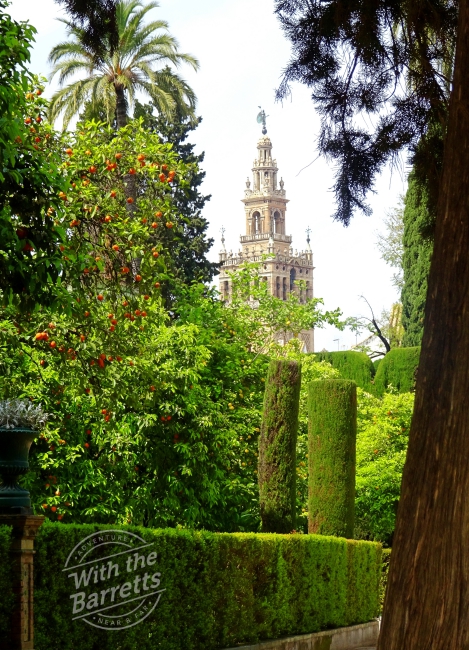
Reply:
x=21, y=413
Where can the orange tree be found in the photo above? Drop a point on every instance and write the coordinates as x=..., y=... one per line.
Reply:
x=145, y=421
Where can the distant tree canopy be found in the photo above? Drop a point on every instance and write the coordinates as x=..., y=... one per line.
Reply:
x=380, y=76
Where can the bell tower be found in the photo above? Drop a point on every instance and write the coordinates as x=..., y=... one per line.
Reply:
x=265, y=206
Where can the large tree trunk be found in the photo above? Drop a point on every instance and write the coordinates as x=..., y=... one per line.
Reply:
x=427, y=603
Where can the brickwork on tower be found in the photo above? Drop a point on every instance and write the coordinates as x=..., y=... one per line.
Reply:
x=265, y=205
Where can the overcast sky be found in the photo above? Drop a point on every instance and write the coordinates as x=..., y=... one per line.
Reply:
x=242, y=52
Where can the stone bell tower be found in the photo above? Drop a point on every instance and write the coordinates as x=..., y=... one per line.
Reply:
x=265, y=206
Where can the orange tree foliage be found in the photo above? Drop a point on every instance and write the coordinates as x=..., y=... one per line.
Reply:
x=146, y=421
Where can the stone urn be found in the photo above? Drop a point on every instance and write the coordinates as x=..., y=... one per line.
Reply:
x=20, y=421
x=14, y=452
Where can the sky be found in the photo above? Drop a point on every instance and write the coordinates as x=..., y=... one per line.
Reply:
x=242, y=52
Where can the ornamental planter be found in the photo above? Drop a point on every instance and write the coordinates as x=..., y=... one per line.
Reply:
x=14, y=451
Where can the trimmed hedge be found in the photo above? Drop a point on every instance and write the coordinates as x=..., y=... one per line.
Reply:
x=6, y=586
x=398, y=369
x=356, y=366
x=332, y=434
x=277, y=447
x=221, y=589
x=383, y=582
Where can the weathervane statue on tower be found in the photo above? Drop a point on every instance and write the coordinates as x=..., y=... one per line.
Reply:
x=261, y=118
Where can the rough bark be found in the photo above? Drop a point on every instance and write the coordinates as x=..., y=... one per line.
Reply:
x=277, y=447
x=427, y=602
x=121, y=107
x=332, y=435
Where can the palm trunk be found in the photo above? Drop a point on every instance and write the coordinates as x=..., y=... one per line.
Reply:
x=121, y=107
x=427, y=602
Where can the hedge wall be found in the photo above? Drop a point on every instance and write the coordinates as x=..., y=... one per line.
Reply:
x=399, y=369
x=356, y=366
x=6, y=600
x=221, y=589
x=277, y=447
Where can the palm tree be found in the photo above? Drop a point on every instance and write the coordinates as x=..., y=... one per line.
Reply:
x=112, y=80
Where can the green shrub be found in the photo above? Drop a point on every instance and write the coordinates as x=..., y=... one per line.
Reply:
x=277, y=447
x=356, y=366
x=376, y=363
x=383, y=581
x=332, y=411
x=382, y=436
x=398, y=369
x=221, y=589
x=6, y=601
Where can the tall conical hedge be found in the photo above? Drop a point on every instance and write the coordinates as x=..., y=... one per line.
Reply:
x=277, y=447
x=332, y=432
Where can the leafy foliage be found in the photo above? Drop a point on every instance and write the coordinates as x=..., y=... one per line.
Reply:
x=19, y=413
x=30, y=178
x=418, y=247
x=391, y=243
x=382, y=438
x=380, y=77
x=190, y=260
x=6, y=575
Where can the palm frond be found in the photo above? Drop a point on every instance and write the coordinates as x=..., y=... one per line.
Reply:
x=142, y=61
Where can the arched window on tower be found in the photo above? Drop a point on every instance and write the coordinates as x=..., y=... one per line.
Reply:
x=284, y=289
x=256, y=223
x=276, y=223
x=226, y=290
x=292, y=279
x=277, y=287
x=308, y=294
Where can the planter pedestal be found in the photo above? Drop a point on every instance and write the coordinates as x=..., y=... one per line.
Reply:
x=25, y=528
